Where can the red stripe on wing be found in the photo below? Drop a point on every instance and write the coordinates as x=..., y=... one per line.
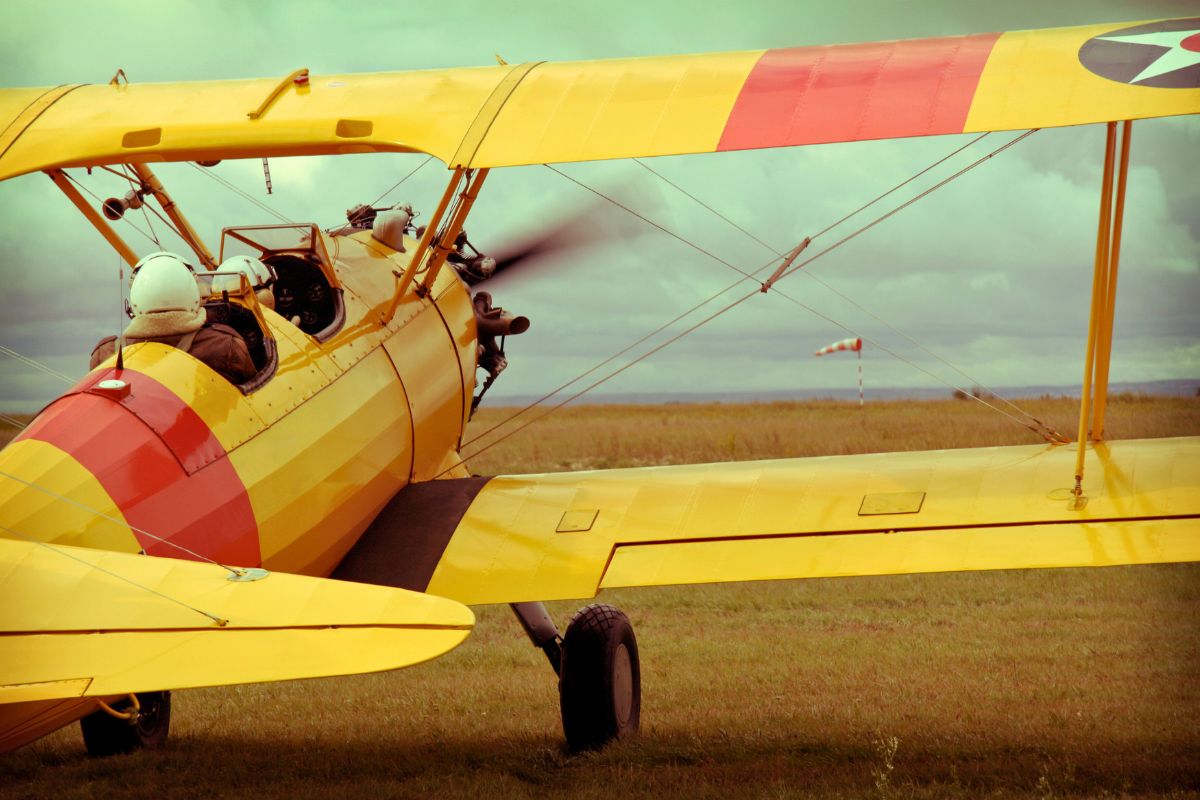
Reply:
x=880, y=90
x=161, y=465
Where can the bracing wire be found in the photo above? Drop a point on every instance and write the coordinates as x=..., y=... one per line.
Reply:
x=165, y=221
x=242, y=193
x=396, y=185
x=1042, y=429
x=745, y=275
x=220, y=622
x=115, y=520
x=740, y=300
x=146, y=216
x=35, y=364
x=849, y=299
x=400, y=182
x=96, y=197
x=16, y=423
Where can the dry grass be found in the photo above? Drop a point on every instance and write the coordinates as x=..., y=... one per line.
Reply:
x=600, y=437
x=1064, y=683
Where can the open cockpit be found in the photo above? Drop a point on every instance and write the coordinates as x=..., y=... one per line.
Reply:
x=306, y=290
x=294, y=279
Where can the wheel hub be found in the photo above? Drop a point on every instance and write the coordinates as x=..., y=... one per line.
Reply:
x=622, y=684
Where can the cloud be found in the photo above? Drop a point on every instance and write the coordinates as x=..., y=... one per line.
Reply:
x=991, y=271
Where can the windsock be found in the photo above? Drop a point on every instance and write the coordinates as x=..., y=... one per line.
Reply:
x=844, y=344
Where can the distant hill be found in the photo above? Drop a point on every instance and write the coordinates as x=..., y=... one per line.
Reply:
x=1184, y=387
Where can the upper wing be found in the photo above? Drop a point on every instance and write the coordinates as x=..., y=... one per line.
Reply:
x=621, y=108
x=568, y=535
x=77, y=622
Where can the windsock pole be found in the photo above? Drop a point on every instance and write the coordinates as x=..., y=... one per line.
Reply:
x=860, y=391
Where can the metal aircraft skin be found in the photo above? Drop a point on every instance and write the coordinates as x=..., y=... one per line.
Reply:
x=355, y=422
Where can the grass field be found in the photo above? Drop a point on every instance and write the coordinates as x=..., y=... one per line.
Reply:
x=1064, y=683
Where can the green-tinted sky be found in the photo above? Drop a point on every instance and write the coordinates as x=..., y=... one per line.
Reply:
x=991, y=272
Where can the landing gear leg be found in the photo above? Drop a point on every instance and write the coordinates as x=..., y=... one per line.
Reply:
x=105, y=734
x=541, y=631
x=600, y=684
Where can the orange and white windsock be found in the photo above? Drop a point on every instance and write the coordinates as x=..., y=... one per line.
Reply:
x=845, y=344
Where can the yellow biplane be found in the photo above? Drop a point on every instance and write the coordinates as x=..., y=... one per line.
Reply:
x=162, y=528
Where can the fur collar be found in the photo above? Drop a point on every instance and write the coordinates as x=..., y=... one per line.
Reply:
x=164, y=323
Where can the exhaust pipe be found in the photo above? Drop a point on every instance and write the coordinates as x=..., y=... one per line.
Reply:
x=493, y=322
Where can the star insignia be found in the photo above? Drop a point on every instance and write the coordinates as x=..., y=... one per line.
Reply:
x=1181, y=49
x=1157, y=55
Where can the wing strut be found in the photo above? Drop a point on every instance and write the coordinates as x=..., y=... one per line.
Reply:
x=1104, y=343
x=1104, y=288
x=93, y=216
x=182, y=226
x=405, y=280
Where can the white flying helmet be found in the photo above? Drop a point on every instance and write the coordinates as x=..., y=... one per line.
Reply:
x=259, y=275
x=164, y=297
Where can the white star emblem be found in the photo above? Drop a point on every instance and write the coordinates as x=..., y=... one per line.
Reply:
x=1183, y=50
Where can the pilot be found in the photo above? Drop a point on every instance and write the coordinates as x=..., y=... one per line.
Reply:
x=260, y=276
x=166, y=308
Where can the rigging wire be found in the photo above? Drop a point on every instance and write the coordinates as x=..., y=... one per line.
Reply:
x=96, y=197
x=16, y=423
x=123, y=173
x=145, y=215
x=395, y=186
x=704, y=302
x=117, y=521
x=220, y=622
x=244, y=194
x=620, y=353
x=35, y=364
x=1043, y=430
x=831, y=225
x=150, y=225
x=398, y=183
x=737, y=302
x=853, y=302
x=651, y=222
x=1046, y=432
x=165, y=221
x=696, y=307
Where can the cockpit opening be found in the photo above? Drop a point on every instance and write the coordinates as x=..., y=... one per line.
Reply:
x=306, y=290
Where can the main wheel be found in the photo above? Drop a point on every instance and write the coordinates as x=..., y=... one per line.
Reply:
x=600, y=686
x=105, y=735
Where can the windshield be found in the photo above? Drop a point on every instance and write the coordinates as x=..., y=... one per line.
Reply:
x=266, y=240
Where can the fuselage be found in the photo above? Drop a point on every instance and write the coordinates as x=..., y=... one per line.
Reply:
x=183, y=464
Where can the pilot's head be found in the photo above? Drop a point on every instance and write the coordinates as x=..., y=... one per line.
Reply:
x=260, y=276
x=164, y=297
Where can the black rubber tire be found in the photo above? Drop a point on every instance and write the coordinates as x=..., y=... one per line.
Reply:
x=600, y=685
x=105, y=735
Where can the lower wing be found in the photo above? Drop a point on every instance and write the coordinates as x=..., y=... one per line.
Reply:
x=77, y=622
x=569, y=535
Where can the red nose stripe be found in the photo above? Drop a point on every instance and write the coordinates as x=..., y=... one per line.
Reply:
x=880, y=90
x=143, y=471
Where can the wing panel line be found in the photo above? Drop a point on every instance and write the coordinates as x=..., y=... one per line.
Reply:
x=914, y=529
x=489, y=112
x=34, y=110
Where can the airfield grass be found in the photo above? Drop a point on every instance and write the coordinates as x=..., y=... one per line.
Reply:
x=1058, y=683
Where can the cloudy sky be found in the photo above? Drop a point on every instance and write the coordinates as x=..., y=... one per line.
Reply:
x=992, y=272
